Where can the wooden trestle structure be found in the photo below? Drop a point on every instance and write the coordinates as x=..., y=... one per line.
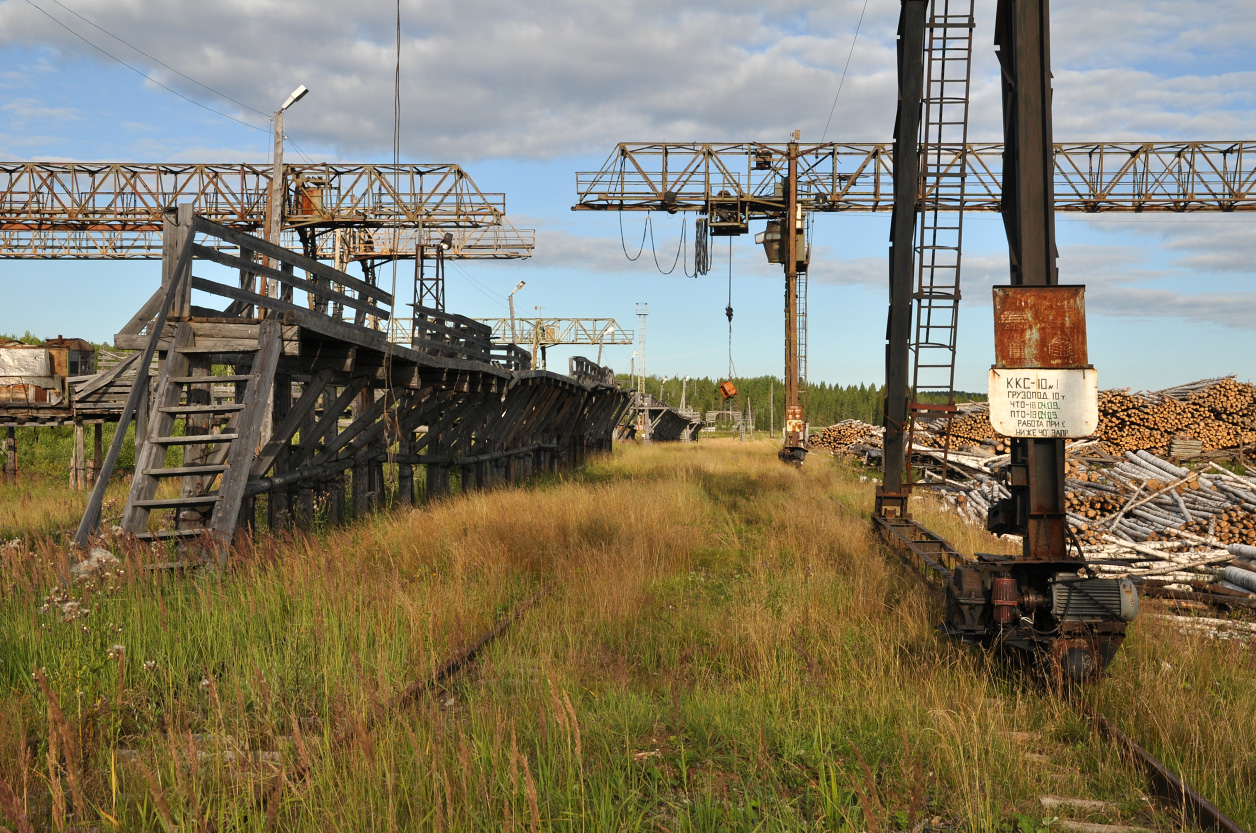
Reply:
x=281, y=395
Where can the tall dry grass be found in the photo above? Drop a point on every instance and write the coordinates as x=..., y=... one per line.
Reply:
x=726, y=647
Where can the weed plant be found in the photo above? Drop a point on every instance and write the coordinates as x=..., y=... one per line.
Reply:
x=726, y=647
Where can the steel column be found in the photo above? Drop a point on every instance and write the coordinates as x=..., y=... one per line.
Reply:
x=892, y=498
x=1022, y=37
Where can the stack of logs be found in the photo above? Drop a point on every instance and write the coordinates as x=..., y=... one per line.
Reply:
x=845, y=434
x=1218, y=413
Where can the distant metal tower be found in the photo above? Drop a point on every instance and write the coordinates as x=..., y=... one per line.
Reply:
x=643, y=411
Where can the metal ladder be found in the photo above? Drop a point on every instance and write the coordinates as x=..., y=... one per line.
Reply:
x=939, y=233
x=215, y=465
x=801, y=344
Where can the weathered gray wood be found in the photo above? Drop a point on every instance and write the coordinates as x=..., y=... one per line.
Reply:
x=215, y=288
x=101, y=380
x=147, y=311
x=287, y=428
x=328, y=421
x=150, y=454
x=277, y=508
x=198, y=395
x=181, y=277
x=91, y=516
x=97, y=431
x=235, y=479
x=319, y=290
x=298, y=260
x=78, y=475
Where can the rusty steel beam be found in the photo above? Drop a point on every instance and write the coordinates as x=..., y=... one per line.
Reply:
x=114, y=210
x=834, y=177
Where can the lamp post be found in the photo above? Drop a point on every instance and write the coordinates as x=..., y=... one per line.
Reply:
x=662, y=384
x=274, y=200
x=684, y=389
x=609, y=330
x=514, y=337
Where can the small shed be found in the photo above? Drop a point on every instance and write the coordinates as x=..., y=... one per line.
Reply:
x=71, y=356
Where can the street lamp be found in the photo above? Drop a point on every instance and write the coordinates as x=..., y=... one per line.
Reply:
x=514, y=337
x=607, y=331
x=274, y=202
x=684, y=386
x=661, y=385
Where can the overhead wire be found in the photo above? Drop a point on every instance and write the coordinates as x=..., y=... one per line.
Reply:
x=157, y=60
x=841, y=83
x=141, y=72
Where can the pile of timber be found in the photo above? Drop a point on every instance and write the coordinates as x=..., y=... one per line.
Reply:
x=1183, y=421
x=845, y=434
x=1178, y=531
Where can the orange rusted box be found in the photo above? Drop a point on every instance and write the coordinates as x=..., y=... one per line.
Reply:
x=1040, y=326
x=727, y=389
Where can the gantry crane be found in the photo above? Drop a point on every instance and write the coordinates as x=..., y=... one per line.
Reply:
x=343, y=213
x=732, y=184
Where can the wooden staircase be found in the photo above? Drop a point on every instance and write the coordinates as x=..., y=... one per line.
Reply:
x=219, y=441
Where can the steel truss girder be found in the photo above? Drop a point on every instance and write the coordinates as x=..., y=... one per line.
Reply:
x=551, y=331
x=114, y=210
x=834, y=177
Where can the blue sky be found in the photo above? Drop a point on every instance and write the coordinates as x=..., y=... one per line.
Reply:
x=525, y=95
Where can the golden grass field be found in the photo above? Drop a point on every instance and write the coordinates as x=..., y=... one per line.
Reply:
x=726, y=646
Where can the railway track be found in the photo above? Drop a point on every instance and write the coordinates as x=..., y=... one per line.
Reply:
x=934, y=560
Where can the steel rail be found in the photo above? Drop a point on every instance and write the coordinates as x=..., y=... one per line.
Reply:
x=1168, y=785
x=925, y=553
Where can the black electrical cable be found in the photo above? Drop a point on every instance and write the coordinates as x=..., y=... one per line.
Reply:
x=154, y=59
x=624, y=245
x=842, y=82
x=141, y=72
x=679, y=248
x=728, y=311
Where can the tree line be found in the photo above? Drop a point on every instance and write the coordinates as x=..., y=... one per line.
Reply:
x=764, y=396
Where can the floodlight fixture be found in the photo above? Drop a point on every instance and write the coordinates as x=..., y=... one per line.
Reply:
x=297, y=95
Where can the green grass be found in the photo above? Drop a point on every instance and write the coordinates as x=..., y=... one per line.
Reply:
x=726, y=648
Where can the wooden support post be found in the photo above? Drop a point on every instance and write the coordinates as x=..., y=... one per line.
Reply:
x=78, y=475
x=336, y=500
x=279, y=503
x=437, y=482
x=10, y=452
x=141, y=410
x=305, y=489
x=405, y=471
x=97, y=452
x=361, y=490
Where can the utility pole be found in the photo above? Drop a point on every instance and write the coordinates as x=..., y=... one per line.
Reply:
x=771, y=409
x=643, y=410
x=514, y=335
x=275, y=195
x=794, y=435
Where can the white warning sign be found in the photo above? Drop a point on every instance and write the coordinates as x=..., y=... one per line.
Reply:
x=1042, y=403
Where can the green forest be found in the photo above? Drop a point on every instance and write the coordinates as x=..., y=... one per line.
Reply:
x=825, y=403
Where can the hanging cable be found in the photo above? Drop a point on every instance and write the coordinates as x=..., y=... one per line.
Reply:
x=728, y=311
x=842, y=82
x=701, y=247
x=644, y=228
x=679, y=248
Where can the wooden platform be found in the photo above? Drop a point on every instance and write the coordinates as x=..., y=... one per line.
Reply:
x=280, y=407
